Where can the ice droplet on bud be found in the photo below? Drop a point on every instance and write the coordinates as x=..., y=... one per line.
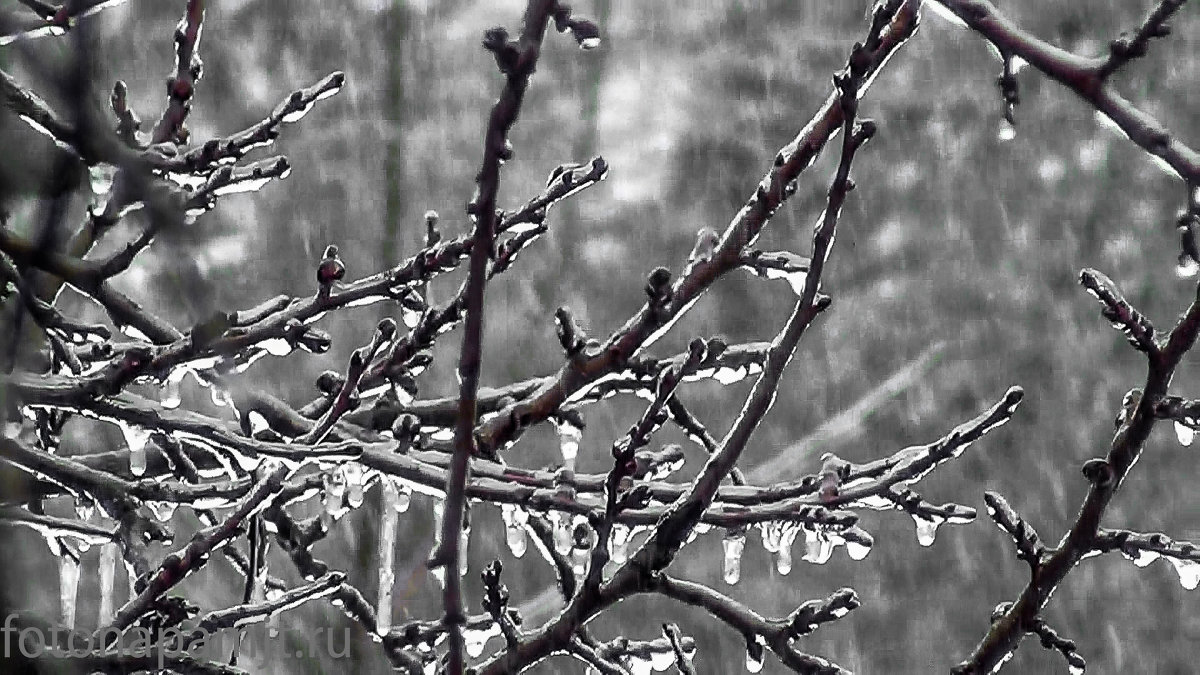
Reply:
x=733, y=543
x=335, y=492
x=1184, y=433
x=1007, y=131
x=562, y=532
x=68, y=569
x=171, y=395
x=476, y=640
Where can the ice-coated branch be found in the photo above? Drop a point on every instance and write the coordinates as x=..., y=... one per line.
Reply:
x=176, y=566
x=1136, y=327
x=682, y=662
x=1050, y=639
x=517, y=61
x=345, y=398
x=650, y=323
x=1029, y=546
x=775, y=634
x=1106, y=476
x=1128, y=47
x=672, y=530
x=1144, y=548
x=182, y=84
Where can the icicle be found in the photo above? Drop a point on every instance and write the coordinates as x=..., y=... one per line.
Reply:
x=353, y=471
x=108, y=570
x=439, y=510
x=515, y=518
x=638, y=665
x=464, y=539
x=618, y=543
x=562, y=532
x=1184, y=433
x=569, y=436
x=68, y=568
x=171, y=395
x=387, y=551
x=733, y=543
x=135, y=438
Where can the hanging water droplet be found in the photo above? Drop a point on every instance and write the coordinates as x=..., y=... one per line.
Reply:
x=439, y=511
x=1184, y=433
x=926, y=529
x=464, y=560
x=1075, y=669
x=733, y=543
x=562, y=532
x=1188, y=570
x=589, y=43
x=515, y=518
x=101, y=178
x=107, y=573
x=136, y=438
x=476, y=640
x=68, y=589
x=783, y=560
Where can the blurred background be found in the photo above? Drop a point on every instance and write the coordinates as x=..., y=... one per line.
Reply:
x=954, y=276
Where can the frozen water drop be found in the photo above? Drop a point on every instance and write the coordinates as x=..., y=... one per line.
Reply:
x=136, y=438
x=1184, y=433
x=515, y=518
x=589, y=43
x=926, y=529
x=733, y=543
x=857, y=550
x=569, y=436
x=1188, y=570
x=783, y=560
x=1007, y=131
x=1187, y=267
x=618, y=543
x=85, y=508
